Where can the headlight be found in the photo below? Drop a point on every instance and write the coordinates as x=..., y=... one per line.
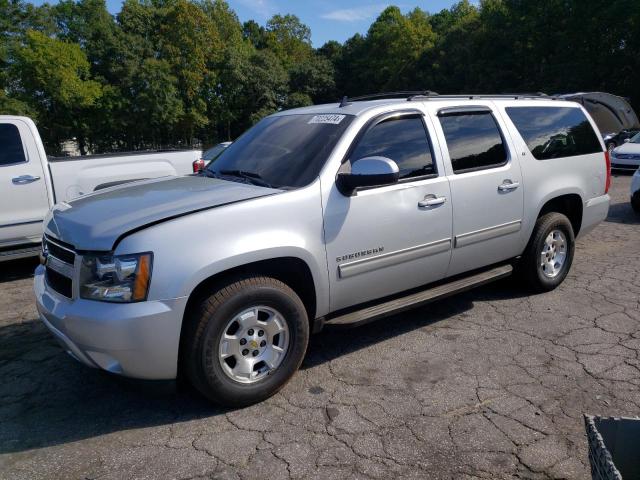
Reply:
x=115, y=278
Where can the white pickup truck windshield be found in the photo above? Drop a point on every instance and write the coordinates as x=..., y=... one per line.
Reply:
x=283, y=151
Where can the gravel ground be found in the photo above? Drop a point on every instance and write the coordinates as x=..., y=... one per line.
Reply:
x=489, y=384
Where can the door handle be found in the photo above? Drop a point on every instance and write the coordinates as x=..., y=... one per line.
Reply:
x=508, y=186
x=24, y=179
x=431, y=201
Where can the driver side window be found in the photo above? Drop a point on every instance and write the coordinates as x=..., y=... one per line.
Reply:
x=403, y=140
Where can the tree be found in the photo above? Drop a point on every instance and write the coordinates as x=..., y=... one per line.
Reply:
x=54, y=77
x=289, y=39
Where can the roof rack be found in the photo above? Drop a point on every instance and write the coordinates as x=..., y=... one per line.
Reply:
x=428, y=94
x=473, y=96
x=377, y=96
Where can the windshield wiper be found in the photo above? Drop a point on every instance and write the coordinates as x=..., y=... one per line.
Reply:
x=251, y=177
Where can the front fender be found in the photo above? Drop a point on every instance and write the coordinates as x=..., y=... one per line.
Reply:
x=189, y=249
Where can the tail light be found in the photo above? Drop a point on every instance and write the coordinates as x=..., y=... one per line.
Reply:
x=198, y=165
x=607, y=159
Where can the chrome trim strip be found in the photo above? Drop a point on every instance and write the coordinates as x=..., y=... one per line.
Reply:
x=29, y=222
x=57, y=265
x=393, y=258
x=487, y=233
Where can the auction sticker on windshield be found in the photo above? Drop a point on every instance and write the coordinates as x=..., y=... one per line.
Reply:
x=333, y=119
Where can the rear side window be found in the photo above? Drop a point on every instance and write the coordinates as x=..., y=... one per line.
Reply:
x=473, y=140
x=11, y=150
x=554, y=132
x=403, y=140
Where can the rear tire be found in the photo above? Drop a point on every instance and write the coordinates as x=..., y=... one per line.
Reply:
x=635, y=203
x=271, y=322
x=549, y=254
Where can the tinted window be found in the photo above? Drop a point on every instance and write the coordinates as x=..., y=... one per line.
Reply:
x=11, y=150
x=403, y=140
x=552, y=132
x=473, y=140
x=284, y=151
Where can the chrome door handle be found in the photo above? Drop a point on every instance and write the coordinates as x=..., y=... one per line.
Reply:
x=507, y=186
x=24, y=179
x=432, y=201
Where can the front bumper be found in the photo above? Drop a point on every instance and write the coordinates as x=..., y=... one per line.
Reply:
x=629, y=164
x=138, y=340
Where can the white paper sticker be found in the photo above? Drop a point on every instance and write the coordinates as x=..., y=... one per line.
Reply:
x=333, y=119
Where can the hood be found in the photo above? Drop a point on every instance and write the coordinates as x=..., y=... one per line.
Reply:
x=97, y=221
x=628, y=148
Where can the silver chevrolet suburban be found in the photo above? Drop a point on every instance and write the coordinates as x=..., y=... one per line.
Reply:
x=330, y=215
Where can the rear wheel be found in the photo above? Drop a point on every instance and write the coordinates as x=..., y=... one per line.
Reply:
x=635, y=203
x=549, y=254
x=246, y=340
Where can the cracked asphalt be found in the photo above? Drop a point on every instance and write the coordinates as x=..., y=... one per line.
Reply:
x=489, y=384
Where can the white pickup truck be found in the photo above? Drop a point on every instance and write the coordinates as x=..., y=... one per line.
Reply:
x=30, y=183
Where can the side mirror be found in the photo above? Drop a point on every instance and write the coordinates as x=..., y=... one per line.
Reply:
x=627, y=140
x=368, y=172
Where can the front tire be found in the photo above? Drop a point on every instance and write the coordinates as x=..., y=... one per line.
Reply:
x=635, y=203
x=246, y=340
x=549, y=254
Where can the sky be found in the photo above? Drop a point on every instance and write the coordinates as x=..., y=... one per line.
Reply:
x=328, y=19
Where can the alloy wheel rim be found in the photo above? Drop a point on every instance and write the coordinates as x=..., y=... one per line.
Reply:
x=253, y=344
x=554, y=254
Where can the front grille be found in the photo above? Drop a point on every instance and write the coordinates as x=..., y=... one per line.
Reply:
x=61, y=253
x=59, y=282
x=59, y=271
x=628, y=156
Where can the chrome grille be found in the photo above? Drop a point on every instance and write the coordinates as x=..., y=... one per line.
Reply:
x=59, y=265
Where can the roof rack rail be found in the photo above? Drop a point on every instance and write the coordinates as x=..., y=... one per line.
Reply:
x=428, y=94
x=474, y=96
x=374, y=96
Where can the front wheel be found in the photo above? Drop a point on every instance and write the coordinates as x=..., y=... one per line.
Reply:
x=549, y=254
x=246, y=340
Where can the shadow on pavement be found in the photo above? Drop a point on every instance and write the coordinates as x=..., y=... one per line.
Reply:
x=17, y=269
x=623, y=213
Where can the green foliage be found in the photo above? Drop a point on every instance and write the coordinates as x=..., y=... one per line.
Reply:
x=175, y=72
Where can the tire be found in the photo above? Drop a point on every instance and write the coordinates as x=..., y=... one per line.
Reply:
x=635, y=203
x=253, y=304
x=611, y=146
x=545, y=277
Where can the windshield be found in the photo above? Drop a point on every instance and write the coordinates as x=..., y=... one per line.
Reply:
x=283, y=151
x=213, y=152
x=635, y=138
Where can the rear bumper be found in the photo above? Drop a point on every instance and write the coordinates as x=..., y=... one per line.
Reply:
x=595, y=211
x=138, y=340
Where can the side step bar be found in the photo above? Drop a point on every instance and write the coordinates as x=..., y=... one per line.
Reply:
x=371, y=313
x=31, y=251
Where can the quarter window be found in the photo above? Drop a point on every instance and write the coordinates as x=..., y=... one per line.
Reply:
x=11, y=150
x=473, y=140
x=553, y=132
x=403, y=140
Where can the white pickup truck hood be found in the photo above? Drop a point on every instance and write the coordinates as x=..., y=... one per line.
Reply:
x=98, y=221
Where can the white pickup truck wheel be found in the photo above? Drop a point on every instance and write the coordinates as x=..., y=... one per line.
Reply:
x=246, y=340
x=547, y=259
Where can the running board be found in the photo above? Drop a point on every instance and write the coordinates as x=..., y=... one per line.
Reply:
x=31, y=251
x=371, y=313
